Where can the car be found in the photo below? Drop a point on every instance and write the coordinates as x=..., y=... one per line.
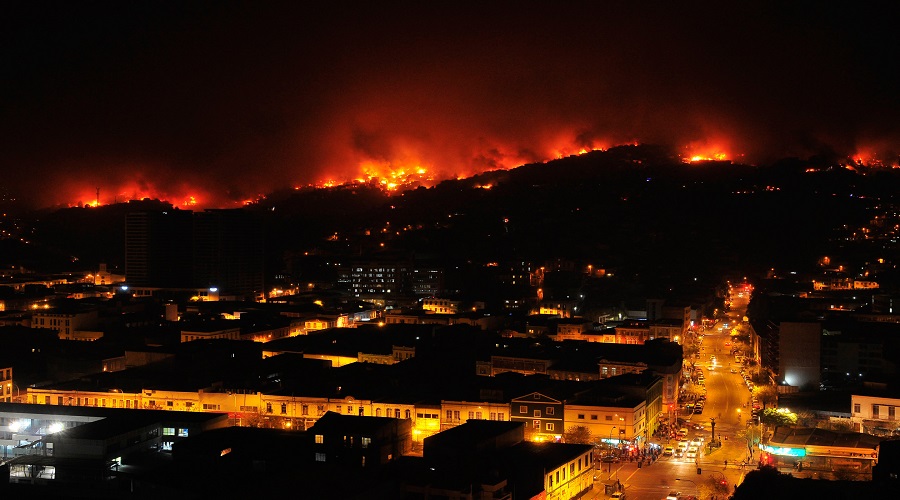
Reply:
x=679, y=453
x=683, y=444
x=727, y=344
x=608, y=459
x=691, y=453
x=674, y=495
x=618, y=495
x=668, y=451
x=697, y=441
x=733, y=370
x=698, y=409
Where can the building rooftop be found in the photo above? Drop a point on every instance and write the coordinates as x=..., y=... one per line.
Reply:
x=804, y=436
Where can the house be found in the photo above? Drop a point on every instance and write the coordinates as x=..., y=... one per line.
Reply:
x=350, y=440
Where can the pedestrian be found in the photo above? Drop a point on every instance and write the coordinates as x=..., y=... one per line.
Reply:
x=726, y=464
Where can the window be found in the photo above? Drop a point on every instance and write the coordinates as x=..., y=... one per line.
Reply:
x=608, y=417
x=549, y=410
x=284, y=408
x=891, y=412
x=169, y=404
x=365, y=442
x=268, y=407
x=449, y=414
x=581, y=416
x=377, y=412
x=189, y=404
x=320, y=457
x=856, y=408
x=168, y=431
x=471, y=415
x=549, y=427
x=320, y=439
x=593, y=417
x=349, y=410
x=407, y=414
x=501, y=416
x=875, y=410
x=478, y=415
x=537, y=413
x=183, y=432
x=339, y=409
x=537, y=424
x=360, y=411
x=523, y=409
x=572, y=467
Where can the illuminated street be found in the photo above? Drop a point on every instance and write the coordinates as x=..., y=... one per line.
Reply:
x=726, y=394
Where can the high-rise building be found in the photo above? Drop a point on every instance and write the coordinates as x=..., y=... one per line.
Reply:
x=216, y=250
x=228, y=252
x=158, y=248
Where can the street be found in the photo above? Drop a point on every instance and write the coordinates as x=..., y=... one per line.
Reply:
x=726, y=395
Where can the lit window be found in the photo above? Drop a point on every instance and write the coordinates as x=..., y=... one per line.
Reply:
x=320, y=439
x=168, y=431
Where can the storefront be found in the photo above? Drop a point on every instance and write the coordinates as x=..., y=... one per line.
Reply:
x=820, y=449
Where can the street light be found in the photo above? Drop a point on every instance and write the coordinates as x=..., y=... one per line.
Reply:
x=692, y=482
x=609, y=454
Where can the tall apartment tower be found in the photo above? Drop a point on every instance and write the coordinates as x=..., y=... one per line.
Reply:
x=180, y=249
x=228, y=252
x=158, y=248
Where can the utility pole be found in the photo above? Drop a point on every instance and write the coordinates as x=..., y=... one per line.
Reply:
x=712, y=423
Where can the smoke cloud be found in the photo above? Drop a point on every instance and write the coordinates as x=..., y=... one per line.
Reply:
x=224, y=102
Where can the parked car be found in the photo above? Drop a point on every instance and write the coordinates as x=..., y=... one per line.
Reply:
x=668, y=451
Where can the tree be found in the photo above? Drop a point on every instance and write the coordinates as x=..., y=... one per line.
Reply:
x=766, y=395
x=837, y=425
x=806, y=418
x=777, y=416
x=693, y=391
x=578, y=434
x=752, y=435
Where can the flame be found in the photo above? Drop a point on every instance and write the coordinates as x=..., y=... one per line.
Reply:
x=386, y=175
x=401, y=166
x=183, y=195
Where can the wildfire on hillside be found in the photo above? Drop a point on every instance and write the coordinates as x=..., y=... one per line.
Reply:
x=398, y=176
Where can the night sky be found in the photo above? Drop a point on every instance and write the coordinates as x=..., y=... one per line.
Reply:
x=228, y=100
